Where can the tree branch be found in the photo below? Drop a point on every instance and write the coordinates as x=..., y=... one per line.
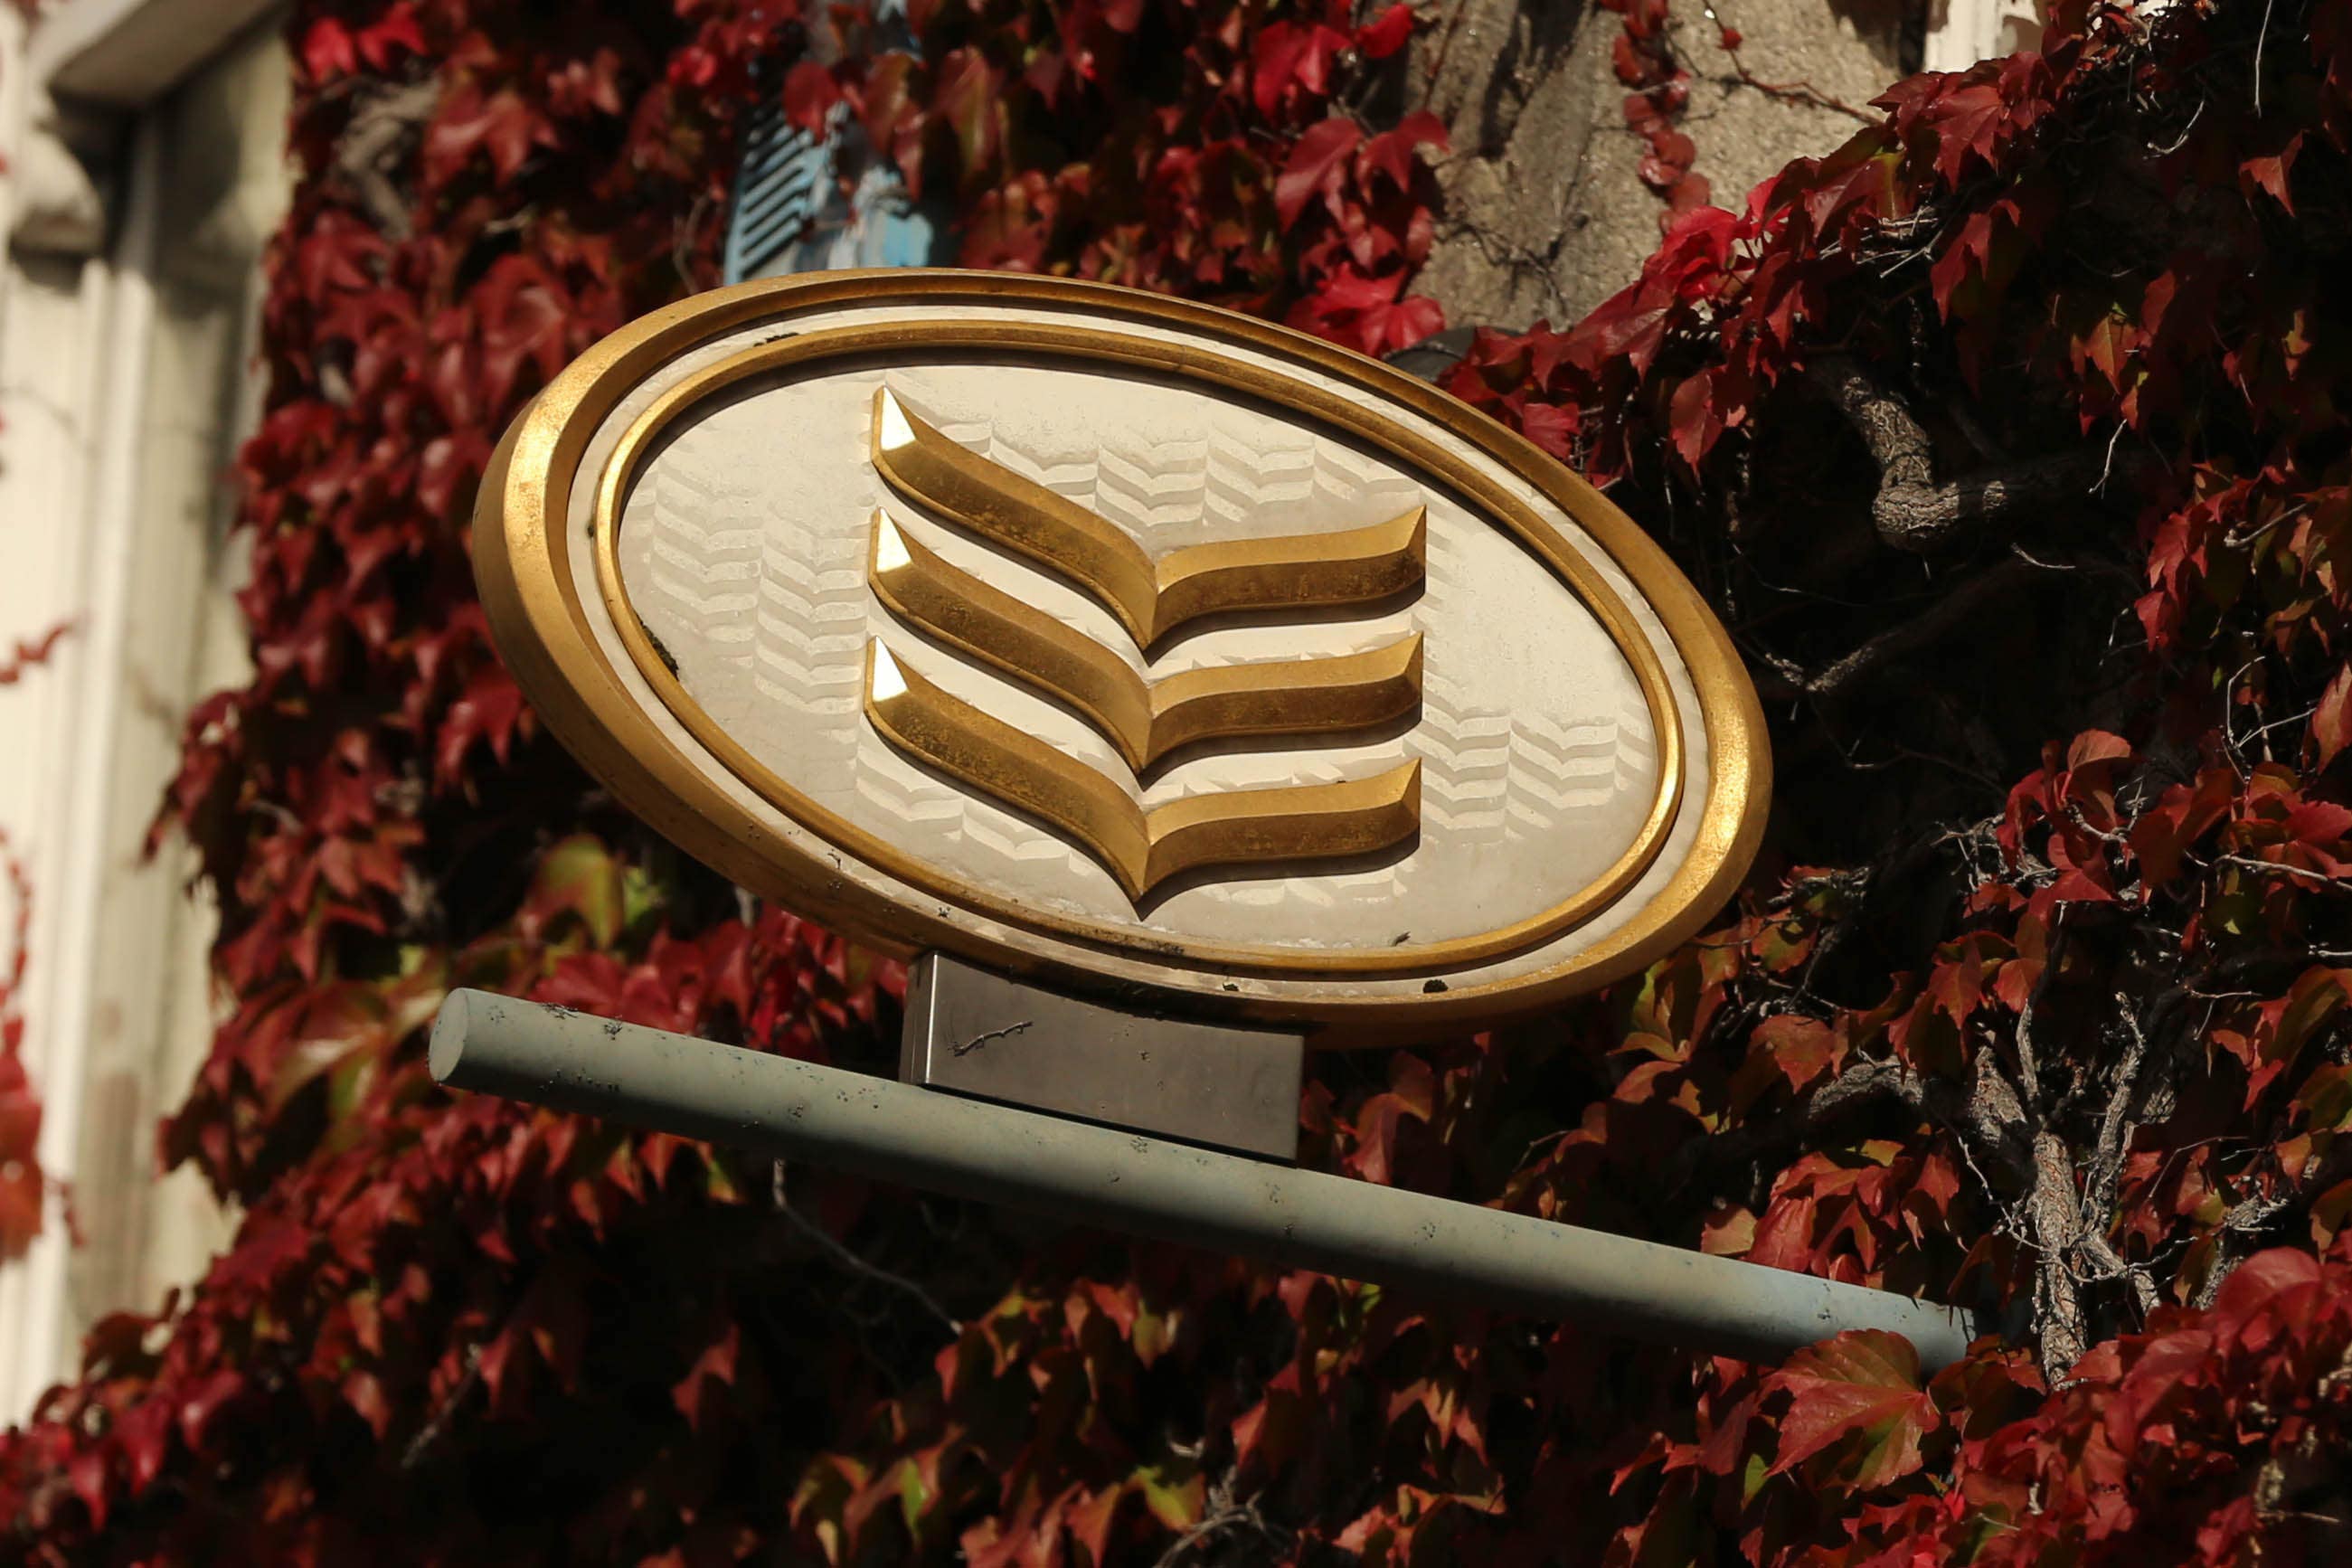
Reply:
x=1930, y=625
x=2240, y=1236
x=1863, y=1084
x=1912, y=511
x=383, y=126
x=2055, y=1212
x=1985, y=1115
x=2116, y=1125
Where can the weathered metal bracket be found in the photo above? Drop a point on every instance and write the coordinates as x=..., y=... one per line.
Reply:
x=972, y=1032
x=1506, y=1262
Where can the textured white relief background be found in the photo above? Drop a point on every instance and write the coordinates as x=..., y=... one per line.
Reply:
x=744, y=544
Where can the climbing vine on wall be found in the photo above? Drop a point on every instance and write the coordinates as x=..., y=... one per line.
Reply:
x=2006, y=440
x=24, y=1191
x=1643, y=57
x=23, y=1187
x=1649, y=58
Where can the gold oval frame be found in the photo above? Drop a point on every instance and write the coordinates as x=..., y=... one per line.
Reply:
x=523, y=567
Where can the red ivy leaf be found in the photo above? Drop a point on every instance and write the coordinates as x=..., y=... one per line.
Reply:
x=969, y=100
x=395, y=31
x=502, y=123
x=145, y=1432
x=87, y=1476
x=1365, y=313
x=21, y=1195
x=2270, y=174
x=2331, y=723
x=695, y=1397
x=1801, y=1049
x=490, y=709
x=1288, y=55
x=1391, y=153
x=810, y=94
x=1315, y=166
x=1859, y=1394
x=329, y=50
x=29, y=654
x=1694, y=420
x=1387, y=33
x=201, y=1407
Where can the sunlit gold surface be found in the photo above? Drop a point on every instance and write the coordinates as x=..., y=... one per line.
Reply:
x=1146, y=719
x=1140, y=848
x=1150, y=597
x=1143, y=719
x=932, y=338
x=522, y=549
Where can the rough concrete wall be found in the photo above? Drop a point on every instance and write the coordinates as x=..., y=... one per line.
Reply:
x=1545, y=216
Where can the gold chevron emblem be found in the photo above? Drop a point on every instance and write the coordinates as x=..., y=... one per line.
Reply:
x=1145, y=719
x=1151, y=598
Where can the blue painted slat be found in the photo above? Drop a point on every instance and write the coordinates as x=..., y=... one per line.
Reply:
x=789, y=213
x=782, y=185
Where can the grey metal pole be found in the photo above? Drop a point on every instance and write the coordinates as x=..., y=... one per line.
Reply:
x=779, y=1108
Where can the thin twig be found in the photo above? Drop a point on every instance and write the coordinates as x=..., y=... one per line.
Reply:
x=2261, y=38
x=1919, y=631
x=2250, y=864
x=1225, y=1514
x=979, y=1040
x=446, y=1411
x=856, y=1265
x=1795, y=91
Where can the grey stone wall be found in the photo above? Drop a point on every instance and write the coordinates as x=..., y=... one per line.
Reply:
x=1544, y=215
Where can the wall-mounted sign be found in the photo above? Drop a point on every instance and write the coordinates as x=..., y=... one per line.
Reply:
x=1124, y=641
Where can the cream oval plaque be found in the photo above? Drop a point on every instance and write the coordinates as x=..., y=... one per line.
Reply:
x=1090, y=633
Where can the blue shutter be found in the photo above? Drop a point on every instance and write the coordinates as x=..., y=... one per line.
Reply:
x=790, y=215
x=785, y=179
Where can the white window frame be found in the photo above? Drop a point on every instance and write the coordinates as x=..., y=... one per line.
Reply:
x=1962, y=32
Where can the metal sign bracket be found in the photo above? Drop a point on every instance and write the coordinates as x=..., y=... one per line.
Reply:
x=781, y=1109
x=975, y=1033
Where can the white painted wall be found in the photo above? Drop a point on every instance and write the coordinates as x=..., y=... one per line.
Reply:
x=123, y=389
x=1962, y=32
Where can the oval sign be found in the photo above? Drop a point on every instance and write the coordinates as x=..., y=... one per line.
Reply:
x=1124, y=641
